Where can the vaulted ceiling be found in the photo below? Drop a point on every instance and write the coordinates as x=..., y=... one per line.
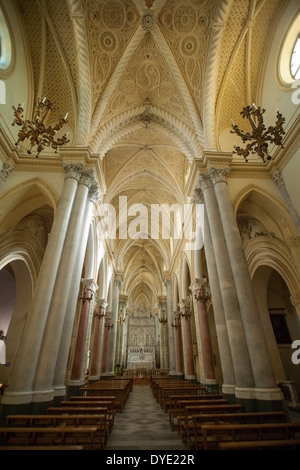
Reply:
x=149, y=85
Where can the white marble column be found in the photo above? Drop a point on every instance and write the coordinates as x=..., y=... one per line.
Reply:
x=20, y=387
x=61, y=376
x=239, y=350
x=229, y=381
x=256, y=343
x=43, y=383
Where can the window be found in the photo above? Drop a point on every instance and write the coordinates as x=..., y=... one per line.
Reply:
x=5, y=44
x=289, y=55
x=295, y=59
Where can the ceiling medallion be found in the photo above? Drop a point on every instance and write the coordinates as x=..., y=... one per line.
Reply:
x=148, y=21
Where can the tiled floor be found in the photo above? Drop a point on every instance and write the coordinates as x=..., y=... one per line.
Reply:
x=143, y=425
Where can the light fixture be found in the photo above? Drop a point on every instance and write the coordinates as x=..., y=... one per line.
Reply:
x=261, y=137
x=36, y=130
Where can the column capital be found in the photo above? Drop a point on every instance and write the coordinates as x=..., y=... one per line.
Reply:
x=94, y=193
x=118, y=283
x=87, y=178
x=218, y=174
x=5, y=170
x=204, y=182
x=89, y=284
x=184, y=304
x=73, y=170
x=277, y=177
x=197, y=197
x=101, y=303
x=196, y=285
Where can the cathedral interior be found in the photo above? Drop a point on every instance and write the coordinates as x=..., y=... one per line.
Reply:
x=149, y=197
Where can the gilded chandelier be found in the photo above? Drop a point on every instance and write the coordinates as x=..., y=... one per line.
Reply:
x=36, y=130
x=261, y=137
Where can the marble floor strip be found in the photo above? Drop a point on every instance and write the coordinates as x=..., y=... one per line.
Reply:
x=143, y=425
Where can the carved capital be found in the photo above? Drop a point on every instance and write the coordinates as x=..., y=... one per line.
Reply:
x=102, y=303
x=118, y=283
x=197, y=197
x=94, y=193
x=218, y=174
x=196, y=285
x=277, y=178
x=204, y=182
x=73, y=170
x=87, y=178
x=89, y=284
x=6, y=169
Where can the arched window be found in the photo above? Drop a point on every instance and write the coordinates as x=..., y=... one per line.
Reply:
x=5, y=44
x=289, y=55
x=295, y=59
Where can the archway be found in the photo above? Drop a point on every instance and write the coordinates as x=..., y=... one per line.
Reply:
x=16, y=294
x=281, y=327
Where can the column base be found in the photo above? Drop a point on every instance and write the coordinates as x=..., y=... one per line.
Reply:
x=229, y=393
x=73, y=391
x=259, y=399
x=190, y=378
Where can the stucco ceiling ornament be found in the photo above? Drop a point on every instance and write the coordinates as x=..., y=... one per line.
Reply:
x=148, y=21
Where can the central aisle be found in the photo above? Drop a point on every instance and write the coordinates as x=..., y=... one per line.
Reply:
x=143, y=425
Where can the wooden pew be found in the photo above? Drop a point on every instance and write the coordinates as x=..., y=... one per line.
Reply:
x=102, y=421
x=207, y=409
x=174, y=407
x=83, y=410
x=165, y=392
x=31, y=448
x=192, y=428
x=86, y=436
x=120, y=393
x=289, y=444
x=212, y=435
x=181, y=406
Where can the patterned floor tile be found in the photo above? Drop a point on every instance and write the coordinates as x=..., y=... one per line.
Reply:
x=143, y=425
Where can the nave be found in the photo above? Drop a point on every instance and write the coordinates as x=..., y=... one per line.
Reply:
x=160, y=413
x=143, y=425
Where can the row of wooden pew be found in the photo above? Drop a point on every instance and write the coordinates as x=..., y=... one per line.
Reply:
x=206, y=421
x=80, y=423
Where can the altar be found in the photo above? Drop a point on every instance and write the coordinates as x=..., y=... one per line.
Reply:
x=141, y=341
